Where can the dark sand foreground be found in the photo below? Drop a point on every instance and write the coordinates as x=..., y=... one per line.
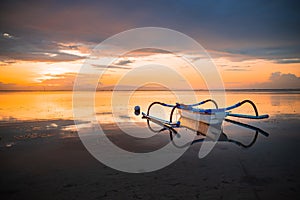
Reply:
x=43, y=160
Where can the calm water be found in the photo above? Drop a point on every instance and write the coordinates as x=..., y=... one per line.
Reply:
x=283, y=108
x=58, y=105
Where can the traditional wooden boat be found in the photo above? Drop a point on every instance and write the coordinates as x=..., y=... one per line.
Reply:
x=198, y=119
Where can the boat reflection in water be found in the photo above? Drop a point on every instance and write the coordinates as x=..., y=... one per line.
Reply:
x=214, y=130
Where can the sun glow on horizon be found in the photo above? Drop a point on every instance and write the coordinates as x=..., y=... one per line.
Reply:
x=61, y=75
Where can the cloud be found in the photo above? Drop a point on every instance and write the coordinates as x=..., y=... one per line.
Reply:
x=279, y=54
x=5, y=62
x=288, y=60
x=28, y=49
x=145, y=52
x=237, y=29
x=237, y=69
x=11, y=86
x=279, y=80
x=109, y=67
x=8, y=36
x=123, y=62
x=47, y=82
x=58, y=81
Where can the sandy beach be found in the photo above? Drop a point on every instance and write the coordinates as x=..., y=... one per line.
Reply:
x=46, y=160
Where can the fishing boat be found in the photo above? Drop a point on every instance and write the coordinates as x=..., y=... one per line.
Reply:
x=199, y=119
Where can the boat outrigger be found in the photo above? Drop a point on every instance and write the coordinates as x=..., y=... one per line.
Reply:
x=198, y=119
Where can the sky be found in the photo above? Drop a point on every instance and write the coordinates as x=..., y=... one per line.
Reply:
x=254, y=44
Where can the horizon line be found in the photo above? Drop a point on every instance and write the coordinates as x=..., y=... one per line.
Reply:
x=232, y=89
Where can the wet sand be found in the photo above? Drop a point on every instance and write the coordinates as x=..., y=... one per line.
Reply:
x=45, y=160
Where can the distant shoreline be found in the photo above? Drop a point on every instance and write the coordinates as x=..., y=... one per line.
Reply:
x=200, y=90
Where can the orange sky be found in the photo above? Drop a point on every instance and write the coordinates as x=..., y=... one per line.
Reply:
x=38, y=75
